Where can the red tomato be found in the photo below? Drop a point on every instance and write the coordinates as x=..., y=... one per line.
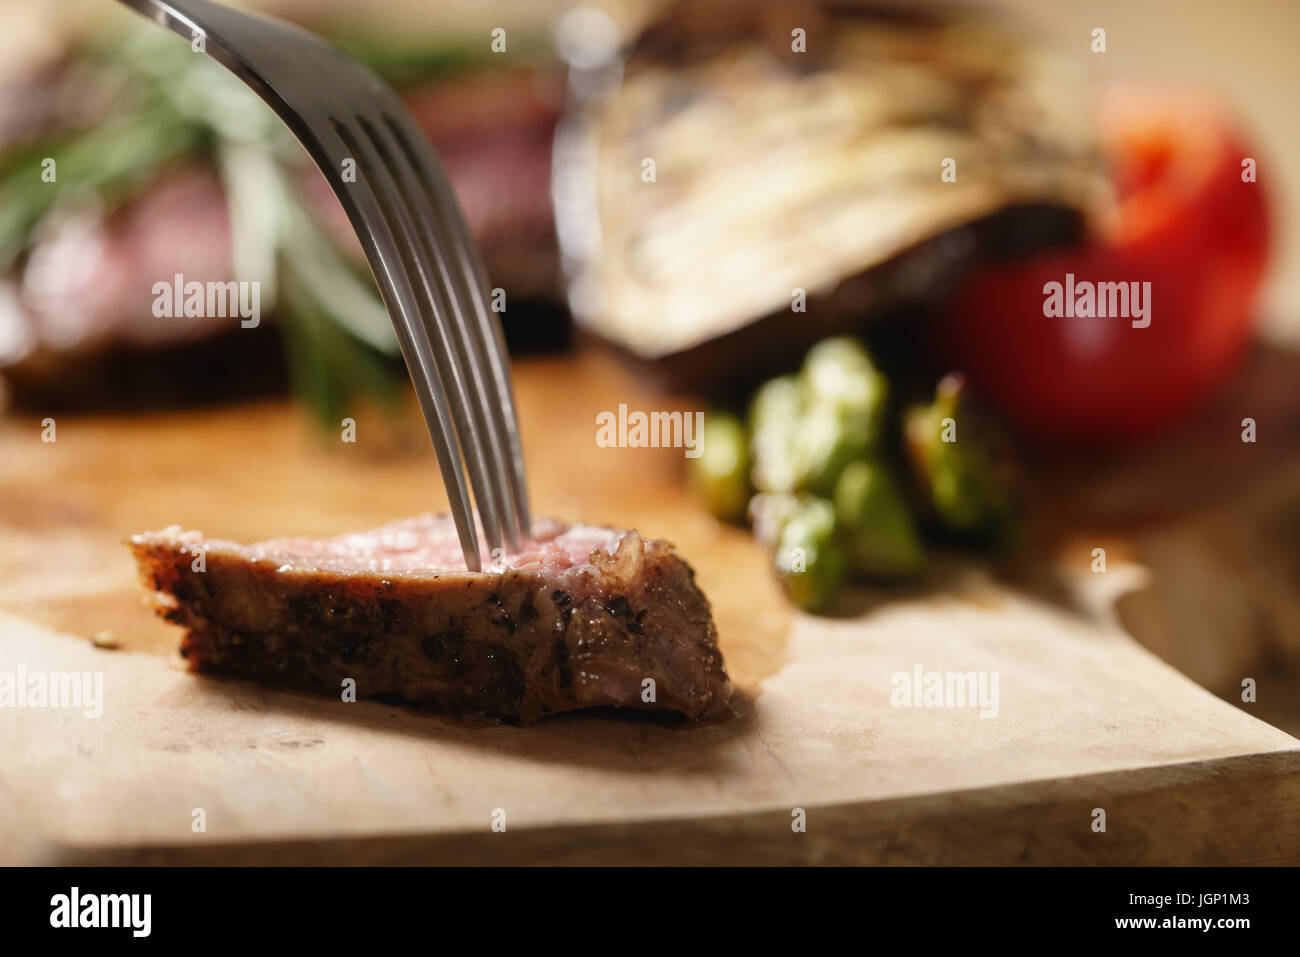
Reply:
x=1187, y=224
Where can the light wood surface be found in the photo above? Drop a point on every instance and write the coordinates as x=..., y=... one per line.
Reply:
x=1087, y=718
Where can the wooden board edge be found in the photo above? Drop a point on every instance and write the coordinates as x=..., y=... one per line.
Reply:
x=1194, y=813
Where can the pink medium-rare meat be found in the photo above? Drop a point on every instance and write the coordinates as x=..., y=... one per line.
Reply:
x=580, y=616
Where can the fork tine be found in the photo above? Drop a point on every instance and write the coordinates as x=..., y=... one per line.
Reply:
x=453, y=305
x=486, y=328
x=475, y=417
x=399, y=296
x=431, y=316
x=467, y=299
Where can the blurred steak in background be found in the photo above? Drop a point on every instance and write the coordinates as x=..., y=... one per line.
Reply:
x=493, y=132
x=76, y=320
x=141, y=195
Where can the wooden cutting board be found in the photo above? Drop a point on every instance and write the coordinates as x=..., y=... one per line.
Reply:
x=1087, y=718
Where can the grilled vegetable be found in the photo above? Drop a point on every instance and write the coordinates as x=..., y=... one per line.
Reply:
x=865, y=173
x=720, y=475
x=769, y=513
x=844, y=402
x=774, y=423
x=829, y=505
x=962, y=465
x=1186, y=222
x=810, y=560
x=878, y=533
x=839, y=374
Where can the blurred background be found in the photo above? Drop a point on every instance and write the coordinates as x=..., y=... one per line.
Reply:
x=72, y=65
x=776, y=171
x=492, y=116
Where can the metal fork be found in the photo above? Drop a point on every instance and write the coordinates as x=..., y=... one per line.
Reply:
x=415, y=239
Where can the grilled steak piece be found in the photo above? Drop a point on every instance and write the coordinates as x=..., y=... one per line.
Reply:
x=580, y=617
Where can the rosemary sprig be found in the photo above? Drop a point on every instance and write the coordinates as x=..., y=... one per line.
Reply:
x=114, y=160
x=179, y=105
x=402, y=63
x=328, y=368
x=336, y=332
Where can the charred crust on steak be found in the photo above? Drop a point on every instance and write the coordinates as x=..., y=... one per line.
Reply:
x=579, y=619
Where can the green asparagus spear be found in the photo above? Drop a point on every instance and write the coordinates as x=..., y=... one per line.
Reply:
x=774, y=422
x=963, y=465
x=839, y=373
x=720, y=474
x=827, y=441
x=877, y=530
x=809, y=559
x=844, y=400
x=769, y=513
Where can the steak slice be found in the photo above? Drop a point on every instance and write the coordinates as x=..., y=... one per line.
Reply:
x=581, y=616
